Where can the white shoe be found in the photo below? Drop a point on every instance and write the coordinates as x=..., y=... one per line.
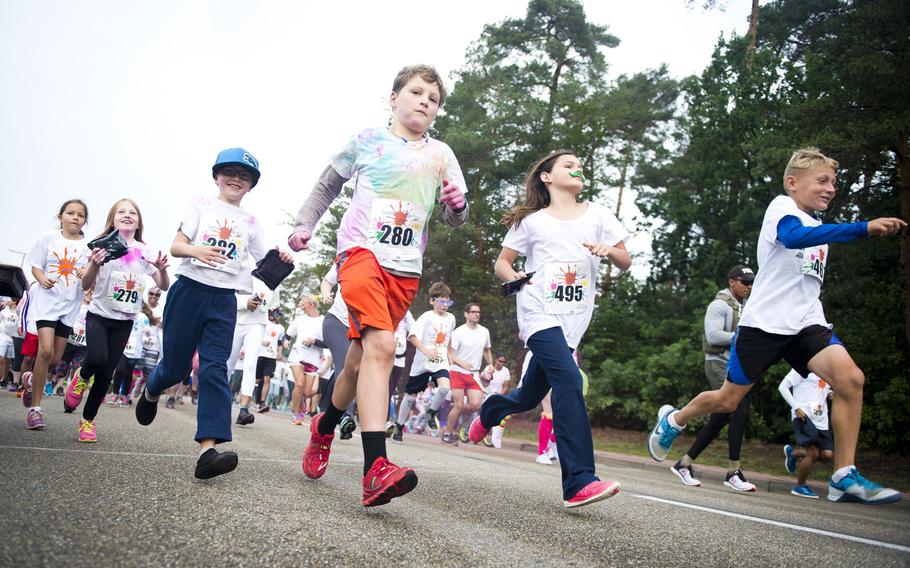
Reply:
x=496, y=436
x=552, y=453
x=544, y=459
x=737, y=482
x=684, y=473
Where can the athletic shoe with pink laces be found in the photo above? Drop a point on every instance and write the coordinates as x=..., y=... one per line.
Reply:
x=27, y=390
x=385, y=481
x=477, y=432
x=593, y=492
x=35, y=419
x=87, y=431
x=113, y=399
x=124, y=401
x=316, y=456
x=74, y=392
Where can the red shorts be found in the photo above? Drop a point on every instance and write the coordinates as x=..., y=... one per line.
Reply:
x=29, y=345
x=374, y=297
x=463, y=381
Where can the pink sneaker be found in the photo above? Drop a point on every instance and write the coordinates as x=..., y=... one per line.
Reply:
x=27, y=389
x=87, y=431
x=477, y=432
x=35, y=419
x=113, y=399
x=74, y=392
x=297, y=420
x=124, y=401
x=316, y=456
x=593, y=492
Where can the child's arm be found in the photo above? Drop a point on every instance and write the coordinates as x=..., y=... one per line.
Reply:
x=329, y=281
x=503, y=267
x=42, y=278
x=784, y=388
x=95, y=260
x=327, y=189
x=431, y=355
x=160, y=276
x=794, y=235
x=455, y=210
x=618, y=254
x=181, y=248
x=326, y=366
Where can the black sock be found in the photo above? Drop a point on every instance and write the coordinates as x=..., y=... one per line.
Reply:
x=373, y=447
x=330, y=419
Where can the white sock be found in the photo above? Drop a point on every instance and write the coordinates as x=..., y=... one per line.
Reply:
x=404, y=409
x=841, y=473
x=671, y=418
x=438, y=397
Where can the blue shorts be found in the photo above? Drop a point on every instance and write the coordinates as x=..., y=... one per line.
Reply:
x=754, y=351
x=807, y=434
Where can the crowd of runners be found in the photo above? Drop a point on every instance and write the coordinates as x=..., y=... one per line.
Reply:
x=93, y=326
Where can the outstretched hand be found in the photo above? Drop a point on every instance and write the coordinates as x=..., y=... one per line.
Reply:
x=298, y=240
x=160, y=262
x=452, y=196
x=884, y=226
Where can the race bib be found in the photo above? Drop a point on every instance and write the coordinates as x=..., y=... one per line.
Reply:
x=125, y=292
x=77, y=337
x=818, y=409
x=812, y=261
x=149, y=341
x=222, y=231
x=395, y=229
x=401, y=345
x=566, y=288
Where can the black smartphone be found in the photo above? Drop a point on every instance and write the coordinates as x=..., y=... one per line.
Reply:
x=514, y=286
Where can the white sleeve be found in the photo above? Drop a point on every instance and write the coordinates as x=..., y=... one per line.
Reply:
x=190, y=224
x=417, y=328
x=612, y=232
x=258, y=246
x=517, y=238
x=38, y=255
x=784, y=387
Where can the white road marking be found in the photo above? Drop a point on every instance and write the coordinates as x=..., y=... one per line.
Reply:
x=777, y=523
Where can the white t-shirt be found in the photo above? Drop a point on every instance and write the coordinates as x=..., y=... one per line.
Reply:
x=120, y=284
x=212, y=222
x=561, y=293
x=302, y=328
x=469, y=345
x=338, y=309
x=281, y=374
x=134, y=345
x=401, y=338
x=77, y=336
x=811, y=395
x=327, y=373
x=268, y=299
x=785, y=295
x=9, y=322
x=500, y=378
x=270, y=340
x=434, y=332
x=59, y=258
x=396, y=185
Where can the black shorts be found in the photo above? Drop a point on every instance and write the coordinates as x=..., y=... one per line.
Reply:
x=265, y=367
x=60, y=328
x=754, y=351
x=323, y=384
x=807, y=434
x=418, y=383
x=17, y=350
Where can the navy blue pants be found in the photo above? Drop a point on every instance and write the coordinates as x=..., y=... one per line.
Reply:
x=198, y=317
x=552, y=366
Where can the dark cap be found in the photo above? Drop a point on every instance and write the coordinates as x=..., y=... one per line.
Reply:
x=740, y=272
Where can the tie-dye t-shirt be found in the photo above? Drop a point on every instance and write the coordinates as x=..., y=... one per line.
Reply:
x=396, y=184
x=59, y=258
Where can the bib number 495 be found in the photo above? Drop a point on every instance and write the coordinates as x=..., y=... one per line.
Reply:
x=567, y=293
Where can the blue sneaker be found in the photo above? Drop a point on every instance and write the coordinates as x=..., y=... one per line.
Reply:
x=790, y=461
x=661, y=438
x=855, y=487
x=803, y=491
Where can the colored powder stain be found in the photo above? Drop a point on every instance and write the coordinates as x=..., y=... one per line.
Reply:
x=134, y=254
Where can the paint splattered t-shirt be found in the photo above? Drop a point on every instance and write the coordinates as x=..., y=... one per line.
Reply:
x=120, y=285
x=212, y=222
x=435, y=333
x=396, y=184
x=561, y=293
x=59, y=258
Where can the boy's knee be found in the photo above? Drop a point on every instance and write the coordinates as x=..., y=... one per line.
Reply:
x=827, y=455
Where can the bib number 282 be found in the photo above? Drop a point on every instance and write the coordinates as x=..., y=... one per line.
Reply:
x=230, y=249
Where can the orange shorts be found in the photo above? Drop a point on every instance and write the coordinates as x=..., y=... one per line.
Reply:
x=374, y=297
x=463, y=381
x=29, y=345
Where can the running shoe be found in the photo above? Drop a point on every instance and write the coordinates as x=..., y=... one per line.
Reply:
x=34, y=420
x=855, y=487
x=212, y=463
x=477, y=432
x=146, y=409
x=451, y=439
x=496, y=436
x=738, y=482
x=389, y=428
x=347, y=427
x=432, y=423
x=385, y=481
x=316, y=456
x=261, y=408
x=87, y=431
x=113, y=399
x=13, y=387
x=125, y=401
x=685, y=474
x=803, y=491
x=463, y=433
x=592, y=493
x=27, y=390
x=195, y=400
x=298, y=418
x=245, y=417
x=552, y=452
x=74, y=392
x=790, y=462
x=662, y=436
x=19, y=392
x=169, y=403
x=544, y=459
x=59, y=391
x=398, y=434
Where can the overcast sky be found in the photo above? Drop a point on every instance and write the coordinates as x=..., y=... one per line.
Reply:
x=109, y=99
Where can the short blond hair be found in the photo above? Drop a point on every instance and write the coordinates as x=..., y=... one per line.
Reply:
x=426, y=72
x=806, y=159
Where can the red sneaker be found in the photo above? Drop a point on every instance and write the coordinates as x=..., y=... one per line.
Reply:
x=316, y=456
x=593, y=492
x=385, y=481
x=477, y=432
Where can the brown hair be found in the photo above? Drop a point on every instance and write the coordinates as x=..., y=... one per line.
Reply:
x=69, y=202
x=806, y=159
x=109, y=223
x=439, y=289
x=537, y=196
x=468, y=306
x=426, y=72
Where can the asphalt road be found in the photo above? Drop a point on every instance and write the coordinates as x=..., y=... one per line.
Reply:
x=131, y=500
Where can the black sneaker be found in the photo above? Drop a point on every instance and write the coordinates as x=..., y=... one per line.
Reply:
x=146, y=409
x=195, y=399
x=347, y=427
x=262, y=408
x=170, y=402
x=213, y=463
x=432, y=423
x=245, y=417
x=398, y=435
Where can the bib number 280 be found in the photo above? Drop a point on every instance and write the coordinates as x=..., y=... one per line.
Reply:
x=396, y=236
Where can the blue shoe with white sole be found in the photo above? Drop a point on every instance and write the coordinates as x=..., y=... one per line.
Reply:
x=662, y=436
x=854, y=487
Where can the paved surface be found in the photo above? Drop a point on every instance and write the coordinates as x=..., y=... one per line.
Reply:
x=131, y=500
